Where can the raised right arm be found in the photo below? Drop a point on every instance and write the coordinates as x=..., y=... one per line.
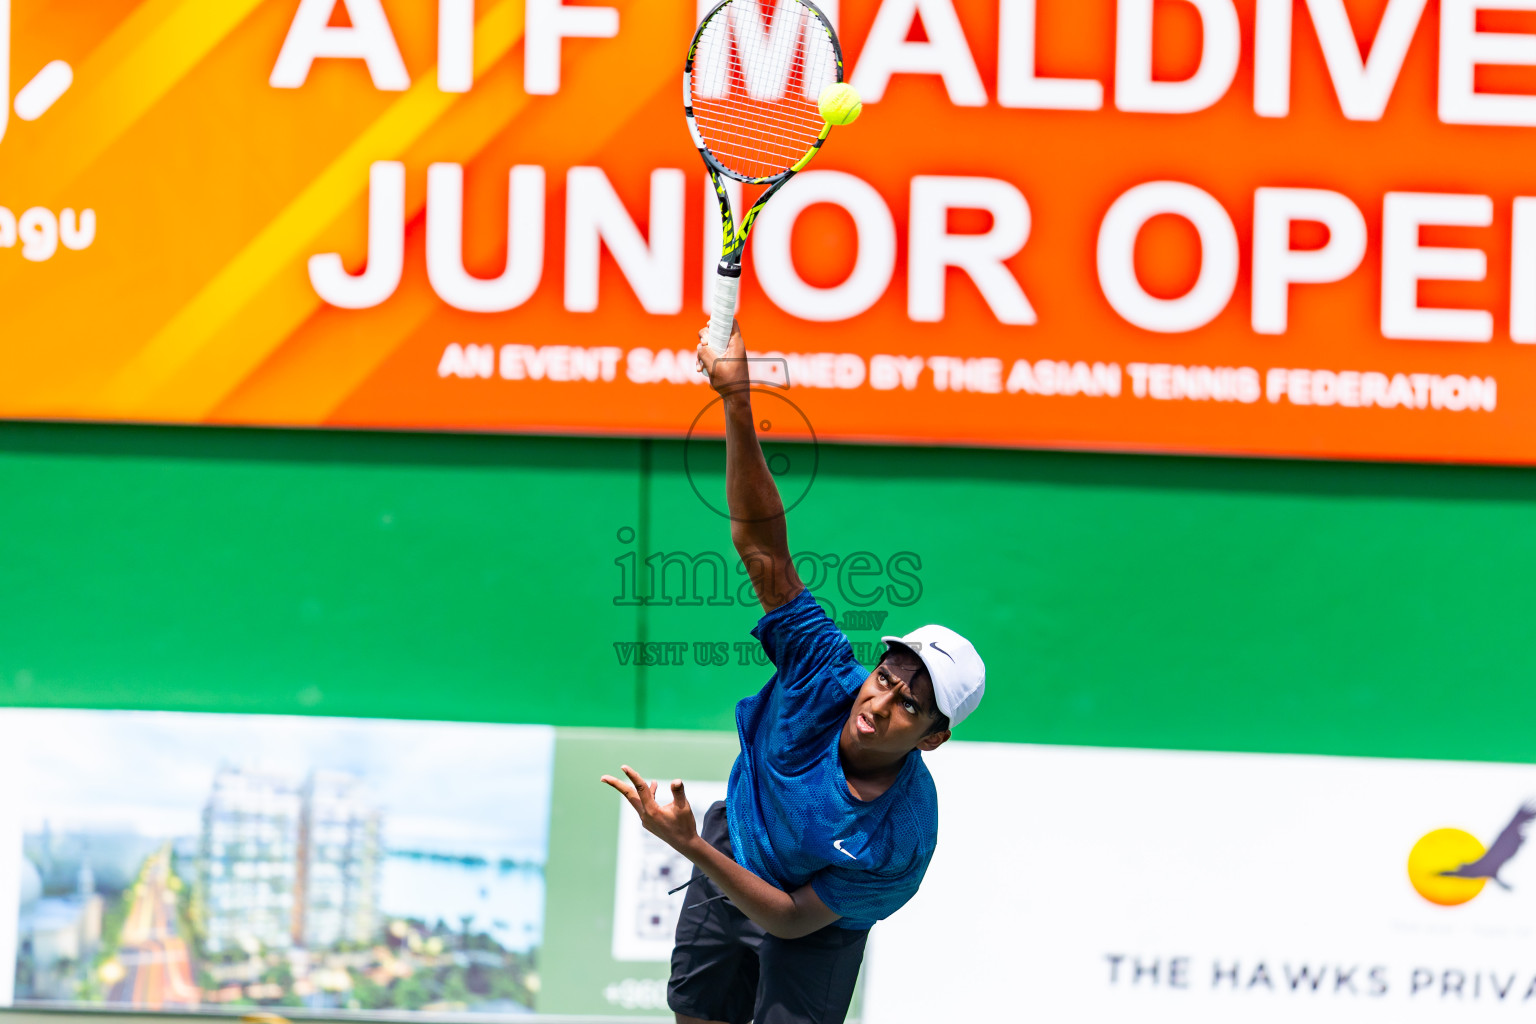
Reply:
x=758, y=528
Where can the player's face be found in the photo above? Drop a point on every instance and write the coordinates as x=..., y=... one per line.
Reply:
x=894, y=709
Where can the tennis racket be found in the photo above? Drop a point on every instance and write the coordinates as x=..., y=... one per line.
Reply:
x=750, y=88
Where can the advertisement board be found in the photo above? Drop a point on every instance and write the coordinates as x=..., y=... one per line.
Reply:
x=185, y=861
x=1193, y=887
x=321, y=867
x=1235, y=226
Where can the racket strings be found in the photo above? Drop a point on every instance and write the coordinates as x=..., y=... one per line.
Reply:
x=757, y=73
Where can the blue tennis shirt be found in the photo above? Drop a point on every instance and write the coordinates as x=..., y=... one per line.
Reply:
x=792, y=818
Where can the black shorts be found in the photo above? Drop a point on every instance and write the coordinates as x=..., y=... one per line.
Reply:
x=726, y=968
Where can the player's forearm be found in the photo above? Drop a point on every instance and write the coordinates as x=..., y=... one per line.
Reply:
x=769, y=907
x=757, y=511
x=758, y=529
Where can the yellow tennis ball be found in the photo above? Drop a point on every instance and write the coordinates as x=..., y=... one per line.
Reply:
x=840, y=103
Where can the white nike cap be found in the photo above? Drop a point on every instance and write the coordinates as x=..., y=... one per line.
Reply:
x=959, y=677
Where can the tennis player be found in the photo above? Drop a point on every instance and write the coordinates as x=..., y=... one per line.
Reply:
x=830, y=817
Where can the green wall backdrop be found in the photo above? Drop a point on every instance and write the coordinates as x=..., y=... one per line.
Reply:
x=1119, y=600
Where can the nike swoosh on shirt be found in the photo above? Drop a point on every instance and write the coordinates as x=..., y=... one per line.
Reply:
x=838, y=846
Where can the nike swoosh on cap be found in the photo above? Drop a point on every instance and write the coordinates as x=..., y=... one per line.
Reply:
x=942, y=651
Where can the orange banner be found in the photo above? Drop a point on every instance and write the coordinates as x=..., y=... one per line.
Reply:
x=1237, y=226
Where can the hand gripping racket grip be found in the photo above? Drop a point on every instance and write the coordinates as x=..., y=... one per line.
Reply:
x=727, y=285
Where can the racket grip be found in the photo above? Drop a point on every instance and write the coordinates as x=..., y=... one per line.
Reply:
x=724, y=311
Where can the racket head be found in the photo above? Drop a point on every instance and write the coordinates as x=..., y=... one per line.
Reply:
x=754, y=73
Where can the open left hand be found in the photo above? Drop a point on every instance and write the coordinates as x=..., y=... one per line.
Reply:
x=673, y=823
